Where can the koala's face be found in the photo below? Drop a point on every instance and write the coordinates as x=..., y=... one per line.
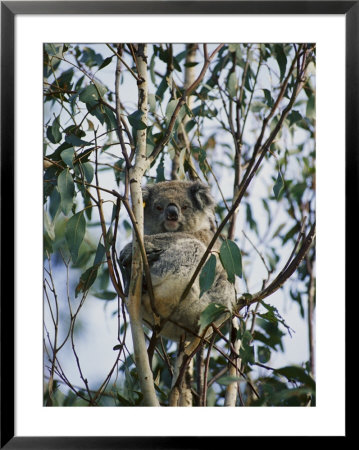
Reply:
x=177, y=206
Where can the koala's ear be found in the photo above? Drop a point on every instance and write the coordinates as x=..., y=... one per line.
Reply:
x=201, y=195
x=145, y=194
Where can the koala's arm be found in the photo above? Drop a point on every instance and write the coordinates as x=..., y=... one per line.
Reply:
x=156, y=244
x=173, y=258
x=153, y=253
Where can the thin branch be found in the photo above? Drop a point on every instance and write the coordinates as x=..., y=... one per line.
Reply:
x=282, y=277
x=159, y=147
x=124, y=63
x=251, y=171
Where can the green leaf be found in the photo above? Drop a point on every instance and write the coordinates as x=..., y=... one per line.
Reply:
x=295, y=229
x=74, y=233
x=53, y=132
x=207, y=275
x=281, y=59
x=152, y=69
x=298, y=374
x=92, y=93
x=123, y=401
x=106, y=62
x=292, y=397
x=86, y=280
x=54, y=49
x=227, y=380
x=268, y=97
x=278, y=186
x=65, y=185
x=294, y=117
x=110, y=119
x=272, y=315
x=246, y=351
x=191, y=64
x=263, y=354
x=135, y=120
x=162, y=87
x=189, y=125
x=67, y=156
x=231, y=259
x=76, y=141
x=278, y=230
x=213, y=312
x=88, y=171
x=106, y=295
x=55, y=201
x=100, y=253
x=89, y=276
x=160, y=172
x=250, y=220
x=152, y=102
x=49, y=227
x=232, y=84
x=171, y=106
x=310, y=111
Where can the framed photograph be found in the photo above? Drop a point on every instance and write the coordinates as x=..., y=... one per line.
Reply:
x=161, y=249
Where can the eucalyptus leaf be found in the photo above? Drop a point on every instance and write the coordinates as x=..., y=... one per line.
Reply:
x=106, y=62
x=207, y=275
x=100, y=253
x=76, y=141
x=298, y=374
x=227, y=380
x=310, y=111
x=281, y=59
x=294, y=117
x=136, y=121
x=66, y=187
x=231, y=259
x=92, y=93
x=88, y=171
x=67, y=156
x=53, y=133
x=263, y=354
x=232, y=84
x=278, y=186
x=86, y=280
x=213, y=312
x=106, y=295
x=75, y=233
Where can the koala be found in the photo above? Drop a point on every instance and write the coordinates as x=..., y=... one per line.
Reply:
x=178, y=224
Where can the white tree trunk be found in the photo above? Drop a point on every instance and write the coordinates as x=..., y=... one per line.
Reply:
x=134, y=299
x=231, y=391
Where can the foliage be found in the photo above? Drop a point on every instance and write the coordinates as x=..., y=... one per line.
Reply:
x=247, y=128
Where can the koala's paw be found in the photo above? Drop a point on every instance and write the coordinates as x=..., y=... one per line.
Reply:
x=153, y=251
x=124, y=261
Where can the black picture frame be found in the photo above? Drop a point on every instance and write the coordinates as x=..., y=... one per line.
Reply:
x=9, y=9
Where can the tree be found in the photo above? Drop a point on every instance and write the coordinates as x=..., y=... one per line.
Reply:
x=240, y=117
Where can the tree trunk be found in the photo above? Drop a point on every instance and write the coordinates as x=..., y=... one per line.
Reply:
x=231, y=391
x=134, y=300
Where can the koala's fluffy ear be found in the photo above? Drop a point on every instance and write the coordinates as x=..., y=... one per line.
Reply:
x=201, y=195
x=145, y=194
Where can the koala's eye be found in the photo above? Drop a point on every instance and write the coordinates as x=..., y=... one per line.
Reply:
x=159, y=208
x=184, y=207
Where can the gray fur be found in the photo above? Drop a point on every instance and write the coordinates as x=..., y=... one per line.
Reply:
x=174, y=255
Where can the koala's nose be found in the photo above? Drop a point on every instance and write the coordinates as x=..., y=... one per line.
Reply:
x=172, y=212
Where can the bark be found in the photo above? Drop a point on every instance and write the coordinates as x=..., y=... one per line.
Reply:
x=134, y=300
x=231, y=391
x=189, y=79
x=186, y=398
